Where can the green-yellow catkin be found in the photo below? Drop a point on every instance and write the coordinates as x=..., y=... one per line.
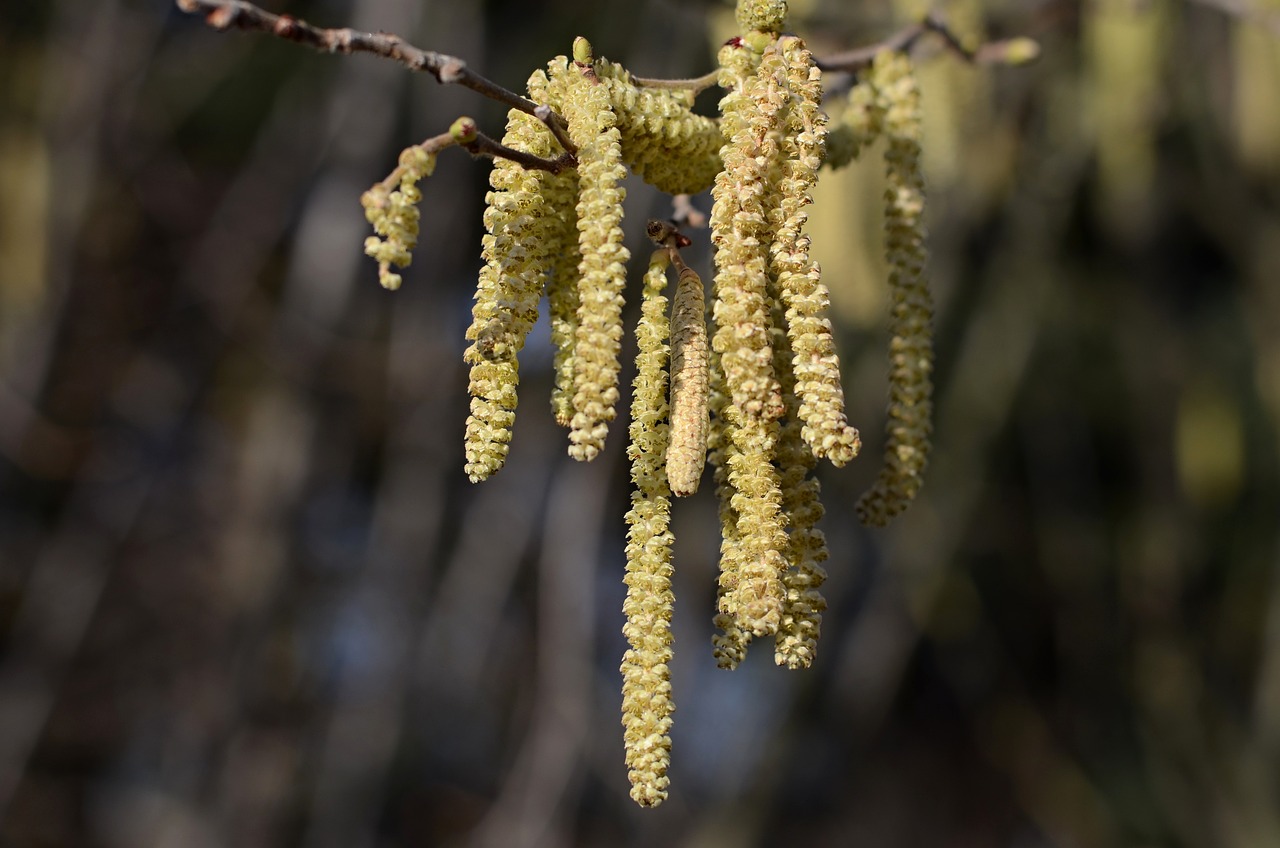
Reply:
x=646, y=676
x=911, y=344
x=803, y=294
x=761, y=531
x=797, y=639
x=687, y=453
x=663, y=141
x=745, y=192
x=584, y=102
x=394, y=214
x=521, y=227
x=858, y=127
x=729, y=647
x=768, y=16
x=562, y=284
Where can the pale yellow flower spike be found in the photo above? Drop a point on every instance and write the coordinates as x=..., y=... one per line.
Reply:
x=562, y=285
x=858, y=127
x=762, y=15
x=521, y=226
x=663, y=141
x=602, y=269
x=804, y=296
x=796, y=642
x=689, y=386
x=730, y=646
x=911, y=345
x=646, y=676
x=394, y=214
x=744, y=195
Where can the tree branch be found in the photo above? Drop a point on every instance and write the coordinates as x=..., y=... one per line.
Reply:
x=1014, y=50
x=228, y=14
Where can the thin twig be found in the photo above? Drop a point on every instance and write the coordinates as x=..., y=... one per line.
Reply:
x=227, y=14
x=905, y=39
x=696, y=84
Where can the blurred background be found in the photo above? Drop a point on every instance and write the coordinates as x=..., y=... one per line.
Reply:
x=248, y=597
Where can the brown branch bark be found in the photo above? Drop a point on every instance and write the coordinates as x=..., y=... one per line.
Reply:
x=448, y=70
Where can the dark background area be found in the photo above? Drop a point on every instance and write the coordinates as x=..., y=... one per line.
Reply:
x=248, y=597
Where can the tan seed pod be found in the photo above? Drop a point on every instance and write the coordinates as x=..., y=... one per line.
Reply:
x=687, y=453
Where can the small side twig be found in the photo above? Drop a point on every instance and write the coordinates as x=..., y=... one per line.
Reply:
x=239, y=14
x=905, y=39
x=464, y=134
x=696, y=84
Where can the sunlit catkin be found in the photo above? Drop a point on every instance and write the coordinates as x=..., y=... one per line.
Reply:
x=911, y=345
x=740, y=229
x=689, y=385
x=729, y=647
x=803, y=294
x=663, y=141
x=646, y=677
x=394, y=214
x=584, y=102
x=521, y=228
x=561, y=198
x=797, y=639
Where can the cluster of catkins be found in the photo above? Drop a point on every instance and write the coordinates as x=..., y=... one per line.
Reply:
x=760, y=396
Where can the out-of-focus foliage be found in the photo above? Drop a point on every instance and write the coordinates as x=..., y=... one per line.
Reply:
x=249, y=598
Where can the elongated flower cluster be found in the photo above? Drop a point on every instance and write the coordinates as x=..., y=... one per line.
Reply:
x=394, y=214
x=757, y=392
x=646, y=679
x=897, y=102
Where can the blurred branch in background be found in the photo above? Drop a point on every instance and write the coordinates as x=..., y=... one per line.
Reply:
x=249, y=598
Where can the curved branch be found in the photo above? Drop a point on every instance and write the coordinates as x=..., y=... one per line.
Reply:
x=239, y=14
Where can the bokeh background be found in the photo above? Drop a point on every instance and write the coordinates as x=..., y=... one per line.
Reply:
x=248, y=597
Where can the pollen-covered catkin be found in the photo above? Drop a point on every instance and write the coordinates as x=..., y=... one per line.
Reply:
x=803, y=294
x=744, y=194
x=687, y=453
x=911, y=344
x=646, y=677
x=521, y=228
x=561, y=197
x=663, y=141
x=394, y=215
x=584, y=102
x=858, y=127
x=729, y=647
x=797, y=639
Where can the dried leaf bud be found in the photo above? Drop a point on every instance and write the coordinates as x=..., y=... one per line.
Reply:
x=687, y=453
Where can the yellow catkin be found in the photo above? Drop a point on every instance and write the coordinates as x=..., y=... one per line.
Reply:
x=729, y=647
x=744, y=194
x=663, y=141
x=911, y=343
x=394, y=215
x=646, y=677
x=858, y=127
x=521, y=226
x=584, y=102
x=797, y=639
x=561, y=192
x=757, y=500
x=689, y=386
x=803, y=294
